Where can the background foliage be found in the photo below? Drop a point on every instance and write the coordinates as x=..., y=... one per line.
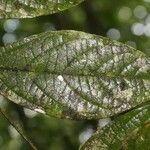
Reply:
x=124, y=20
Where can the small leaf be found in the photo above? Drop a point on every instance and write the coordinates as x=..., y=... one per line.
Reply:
x=33, y=8
x=128, y=132
x=70, y=74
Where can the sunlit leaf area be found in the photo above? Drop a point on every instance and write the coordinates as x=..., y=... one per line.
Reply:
x=123, y=122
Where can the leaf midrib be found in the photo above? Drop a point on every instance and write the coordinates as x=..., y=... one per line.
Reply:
x=75, y=73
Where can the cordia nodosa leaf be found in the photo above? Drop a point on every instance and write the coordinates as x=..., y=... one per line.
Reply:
x=71, y=74
x=33, y=8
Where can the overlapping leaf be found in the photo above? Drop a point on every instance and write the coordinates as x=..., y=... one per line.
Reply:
x=130, y=131
x=33, y=8
x=70, y=74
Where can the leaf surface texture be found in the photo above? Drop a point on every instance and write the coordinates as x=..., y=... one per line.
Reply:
x=70, y=74
x=33, y=8
x=128, y=132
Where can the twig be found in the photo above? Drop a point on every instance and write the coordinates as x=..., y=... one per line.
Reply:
x=18, y=130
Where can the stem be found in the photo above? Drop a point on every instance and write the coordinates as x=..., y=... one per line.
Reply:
x=18, y=130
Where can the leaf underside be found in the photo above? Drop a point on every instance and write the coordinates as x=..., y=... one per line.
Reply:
x=128, y=132
x=33, y=8
x=70, y=74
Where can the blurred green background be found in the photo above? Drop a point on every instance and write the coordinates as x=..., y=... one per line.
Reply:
x=127, y=21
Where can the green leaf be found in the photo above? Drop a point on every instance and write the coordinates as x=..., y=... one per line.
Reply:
x=128, y=132
x=70, y=74
x=33, y=8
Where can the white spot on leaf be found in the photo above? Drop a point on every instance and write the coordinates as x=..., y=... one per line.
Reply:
x=60, y=78
x=39, y=110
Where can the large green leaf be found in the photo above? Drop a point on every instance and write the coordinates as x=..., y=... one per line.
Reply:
x=70, y=74
x=128, y=132
x=33, y=8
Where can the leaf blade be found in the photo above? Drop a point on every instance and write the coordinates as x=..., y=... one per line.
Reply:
x=123, y=132
x=72, y=74
x=33, y=8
